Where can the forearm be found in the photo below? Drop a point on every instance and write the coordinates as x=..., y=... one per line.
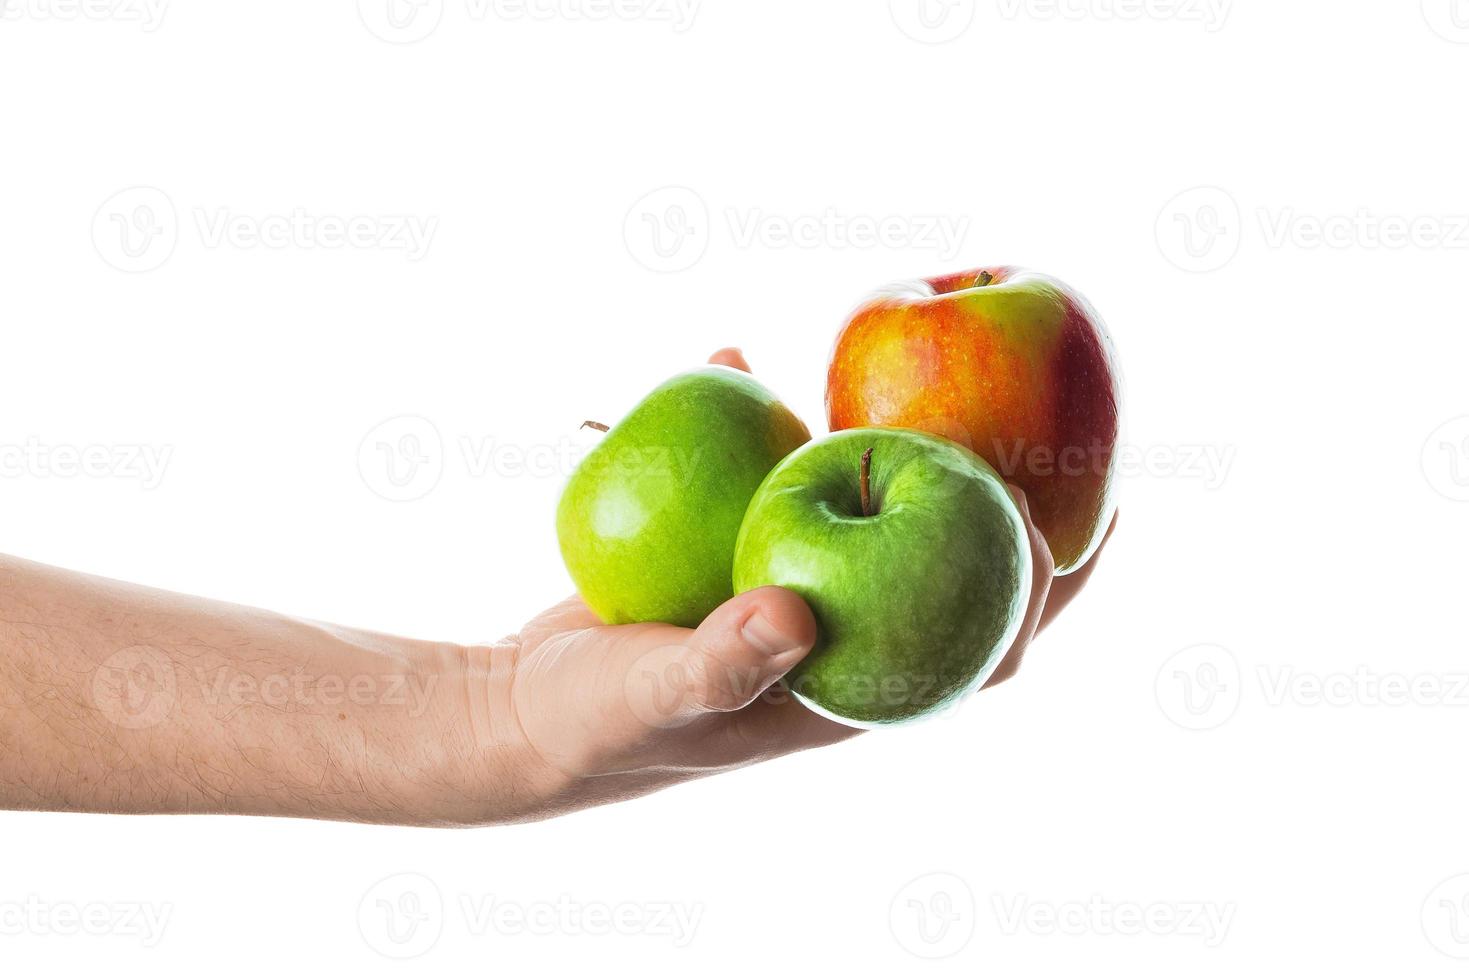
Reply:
x=119, y=698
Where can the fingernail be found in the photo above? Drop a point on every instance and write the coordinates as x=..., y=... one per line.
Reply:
x=766, y=638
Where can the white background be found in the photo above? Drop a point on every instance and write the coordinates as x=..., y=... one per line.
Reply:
x=1167, y=748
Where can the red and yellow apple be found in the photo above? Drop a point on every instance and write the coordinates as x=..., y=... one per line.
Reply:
x=1011, y=364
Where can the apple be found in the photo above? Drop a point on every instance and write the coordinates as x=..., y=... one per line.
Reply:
x=1012, y=364
x=647, y=522
x=914, y=558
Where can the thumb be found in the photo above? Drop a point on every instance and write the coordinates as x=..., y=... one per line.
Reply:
x=741, y=649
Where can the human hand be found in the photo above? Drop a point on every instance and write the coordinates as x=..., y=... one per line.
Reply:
x=605, y=713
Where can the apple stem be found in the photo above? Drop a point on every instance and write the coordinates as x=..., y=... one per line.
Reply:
x=985, y=278
x=867, y=483
x=589, y=424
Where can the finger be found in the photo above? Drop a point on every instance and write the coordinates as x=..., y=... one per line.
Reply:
x=1042, y=576
x=646, y=695
x=730, y=357
x=641, y=695
x=1066, y=587
x=567, y=615
x=741, y=649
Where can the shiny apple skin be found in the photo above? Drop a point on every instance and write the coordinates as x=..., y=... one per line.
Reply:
x=647, y=523
x=1021, y=370
x=917, y=599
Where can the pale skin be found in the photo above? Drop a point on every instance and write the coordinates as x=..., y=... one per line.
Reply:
x=122, y=699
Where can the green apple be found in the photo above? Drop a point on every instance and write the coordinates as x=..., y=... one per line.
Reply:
x=648, y=521
x=914, y=558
